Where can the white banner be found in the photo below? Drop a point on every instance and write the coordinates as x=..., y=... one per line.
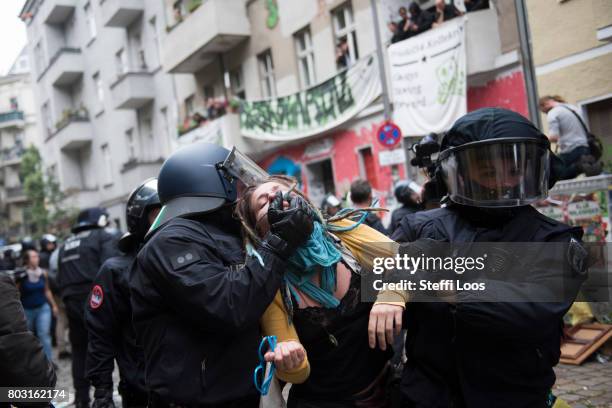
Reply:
x=315, y=110
x=428, y=79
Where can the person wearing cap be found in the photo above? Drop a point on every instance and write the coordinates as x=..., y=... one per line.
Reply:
x=407, y=194
x=196, y=297
x=80, y=258
x=465, y=352
x=108, y=312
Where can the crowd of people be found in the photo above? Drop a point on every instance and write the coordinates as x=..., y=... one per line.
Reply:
x=225, y=269
x=214, y=108
x=414, y=20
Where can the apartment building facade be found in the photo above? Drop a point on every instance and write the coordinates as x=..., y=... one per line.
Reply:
x=18, y=129
x=256, y=49
x=106, y=107
x=572, y=54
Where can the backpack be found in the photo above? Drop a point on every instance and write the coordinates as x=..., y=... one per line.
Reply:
x=595, y=144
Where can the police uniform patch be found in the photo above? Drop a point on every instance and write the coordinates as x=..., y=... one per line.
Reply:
x=185, y=258
x=96, y=297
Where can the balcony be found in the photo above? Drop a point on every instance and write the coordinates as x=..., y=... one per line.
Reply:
x=15, y=195
x=65, y=68
x=121, y=13
x=56, y=11
x=12, y=156
x=483, y=43
x=133, y=90
x=74, y=132
x=216, y=26
x=11, y=119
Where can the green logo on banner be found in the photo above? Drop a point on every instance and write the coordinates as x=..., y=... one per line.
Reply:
x=272, y=19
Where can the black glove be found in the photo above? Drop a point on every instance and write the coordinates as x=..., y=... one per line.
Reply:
x=103, y=398
x=293, y=225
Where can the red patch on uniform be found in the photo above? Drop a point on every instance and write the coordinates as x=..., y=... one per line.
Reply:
x=96, y=298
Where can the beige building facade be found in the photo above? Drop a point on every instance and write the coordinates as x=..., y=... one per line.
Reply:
x=572, y=54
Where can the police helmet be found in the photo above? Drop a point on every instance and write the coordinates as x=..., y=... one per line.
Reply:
x=89, y=218
x=27, y=243
x=140, y=202
x=404, y=191
x=200, y=178
x=494, y=157
x=47, y=239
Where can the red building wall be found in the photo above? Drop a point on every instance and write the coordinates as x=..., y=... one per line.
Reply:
x=506, y=91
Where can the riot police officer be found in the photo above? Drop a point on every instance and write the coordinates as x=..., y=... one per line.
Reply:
x=80, y=258
x=48, y=243
x=109, y=313
x=196, y=303
x=494, y=164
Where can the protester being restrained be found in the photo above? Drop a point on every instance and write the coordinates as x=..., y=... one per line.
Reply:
x=320, y=308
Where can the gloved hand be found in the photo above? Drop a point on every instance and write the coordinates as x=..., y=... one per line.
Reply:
x=103, y=398
x=292, y=225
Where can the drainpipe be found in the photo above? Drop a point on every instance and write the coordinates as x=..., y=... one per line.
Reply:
x=529, y=74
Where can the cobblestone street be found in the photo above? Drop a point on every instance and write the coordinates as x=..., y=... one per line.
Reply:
x=585, y=386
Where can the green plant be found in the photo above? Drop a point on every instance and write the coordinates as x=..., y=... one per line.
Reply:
x=193, y=5
x=43, y=193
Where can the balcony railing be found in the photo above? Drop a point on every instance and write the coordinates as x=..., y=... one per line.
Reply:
x=69, y=116
x=12, y=153
x=66, y=66
x=212, y=27
x=121, y=13
x=11, y=116
x=15, y=192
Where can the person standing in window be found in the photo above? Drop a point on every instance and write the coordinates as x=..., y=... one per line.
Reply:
x=444, y=12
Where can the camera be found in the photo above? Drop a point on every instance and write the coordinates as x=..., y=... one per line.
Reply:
x=423, y=150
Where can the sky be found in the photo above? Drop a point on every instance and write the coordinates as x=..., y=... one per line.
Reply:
x=12, y=33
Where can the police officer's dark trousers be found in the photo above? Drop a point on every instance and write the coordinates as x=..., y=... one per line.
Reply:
x=75, y=309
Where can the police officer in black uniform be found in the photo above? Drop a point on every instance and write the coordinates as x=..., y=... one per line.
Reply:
x=196, y=303
x=494, y=163
x=80, y=258
x=109, y=312
x=48, y=243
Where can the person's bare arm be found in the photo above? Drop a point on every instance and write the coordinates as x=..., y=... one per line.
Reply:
x=49, y=295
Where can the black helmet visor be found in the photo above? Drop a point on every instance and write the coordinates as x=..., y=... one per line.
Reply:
x=497, y=173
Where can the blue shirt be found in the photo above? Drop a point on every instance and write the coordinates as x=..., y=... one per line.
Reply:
x=33, y=294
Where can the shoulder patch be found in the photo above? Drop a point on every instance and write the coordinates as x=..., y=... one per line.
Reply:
x=97, y=297
x=185, y=258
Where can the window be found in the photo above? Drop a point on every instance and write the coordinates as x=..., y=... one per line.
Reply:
x=39, y=58
x=91, y=21
x=131, y=144
x=46, y=118
x=121, y=62
x=345, y=35
x=189, y=105
x=237, y=83
x=180, y=10
x=165, y=122
x=99, y=90
x=266, y=74
x=108, y=165
x=156, y=42
x=305, y=57
x=14, y=103
x=209, y=92
x=138, y=52
x=52, y=172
